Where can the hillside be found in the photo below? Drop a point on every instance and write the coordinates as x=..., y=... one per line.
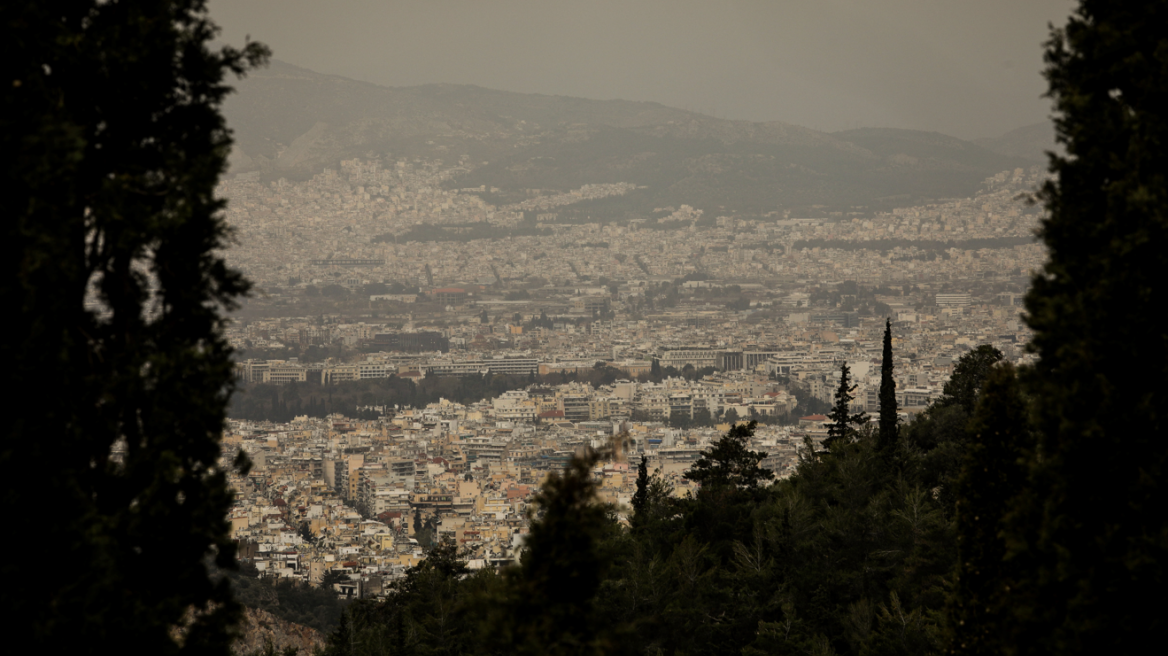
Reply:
x=261, y=629
x=292, y=122
x=1030, y=142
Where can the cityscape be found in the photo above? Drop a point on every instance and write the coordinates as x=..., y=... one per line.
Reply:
x=653, y=328
x=748, y=317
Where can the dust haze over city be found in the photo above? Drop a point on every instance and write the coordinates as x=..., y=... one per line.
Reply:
x=424, y=189
x=516, y=327
x=486, y=236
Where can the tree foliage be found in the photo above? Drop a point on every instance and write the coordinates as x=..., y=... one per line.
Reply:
x=552, y=592
x=889, y=421
x=841, y=557
x=968, y=376
x=843, y=423
x=1023, y=513
x=942, y=434
x=434, y=610
x=640, y=501
x=270, y=402
x=992, y=477
x=729, y=463
x=112, y=144
x=1092, y=523
x=313, y=606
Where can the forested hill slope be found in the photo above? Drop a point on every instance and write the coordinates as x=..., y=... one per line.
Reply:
x=292, y=122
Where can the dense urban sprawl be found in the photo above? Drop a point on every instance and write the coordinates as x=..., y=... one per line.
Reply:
x=701, y=322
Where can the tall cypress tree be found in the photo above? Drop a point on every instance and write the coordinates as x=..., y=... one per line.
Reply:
x=641, y=497
x=991, y=478
x=843, y=422
x=1100, y=543
x=111, y=143
x=888, y=426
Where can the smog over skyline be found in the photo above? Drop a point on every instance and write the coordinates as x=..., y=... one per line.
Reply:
x=967, y=69
x=535, y=327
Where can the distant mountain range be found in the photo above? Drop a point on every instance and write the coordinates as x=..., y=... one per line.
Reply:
x=1030, y=142
x=292, y=122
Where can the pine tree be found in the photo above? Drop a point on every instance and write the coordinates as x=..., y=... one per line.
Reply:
x=1098, y=545
x=112, y=143
x=991, y=478
x=888, y=426
x=554, y=588
x=843, y=423
x=969, y=374
x=729, y=463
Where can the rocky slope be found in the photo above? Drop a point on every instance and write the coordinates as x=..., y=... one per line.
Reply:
x=261, y=627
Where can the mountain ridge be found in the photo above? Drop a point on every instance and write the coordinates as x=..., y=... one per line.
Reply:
x=291, y=122
x=1029, y=141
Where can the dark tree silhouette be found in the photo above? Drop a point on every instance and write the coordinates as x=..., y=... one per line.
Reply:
x=731, y=417
x=888, y=426
x=118, y=375
x=1098, y=544
x=843, y=421
x=641, y=496
x=555, y=585
x=966, y=381
x=729, y=463
x=991, y=478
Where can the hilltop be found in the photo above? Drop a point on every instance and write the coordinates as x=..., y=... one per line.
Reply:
x=292, y=122
x=1030, y=142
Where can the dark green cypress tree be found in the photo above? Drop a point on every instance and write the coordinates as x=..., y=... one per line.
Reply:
x=641, y=496
x=1099, y=542
x=111, y=143
x=843, y=422
x=992, y=476
x=889, y=421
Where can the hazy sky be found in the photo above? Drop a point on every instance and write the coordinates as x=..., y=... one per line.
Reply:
x=970, y=68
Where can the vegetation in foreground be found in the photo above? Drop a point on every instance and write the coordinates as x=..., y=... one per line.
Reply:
x=855, y=553
x=1034, y=525
x=1020, y=515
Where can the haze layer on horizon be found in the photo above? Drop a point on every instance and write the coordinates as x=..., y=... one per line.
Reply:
x=969, y=68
